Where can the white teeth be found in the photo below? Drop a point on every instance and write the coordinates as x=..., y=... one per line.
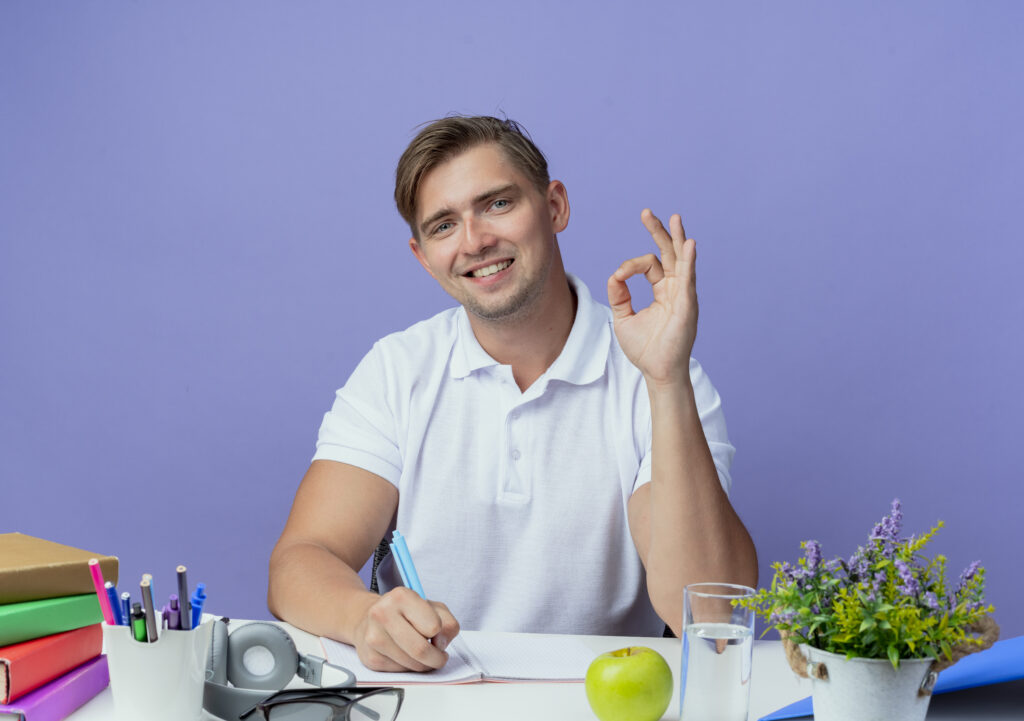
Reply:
x=491, y=269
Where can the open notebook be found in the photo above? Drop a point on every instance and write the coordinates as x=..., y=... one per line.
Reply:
x=484, y=656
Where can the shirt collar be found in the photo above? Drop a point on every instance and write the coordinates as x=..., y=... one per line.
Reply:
x=582, y=360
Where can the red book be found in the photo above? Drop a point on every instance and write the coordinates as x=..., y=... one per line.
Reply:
x=62, y=696
x=28, y=665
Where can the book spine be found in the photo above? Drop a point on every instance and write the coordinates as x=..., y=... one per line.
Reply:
x=31, y=664
x=34, y=619
x=61, y=697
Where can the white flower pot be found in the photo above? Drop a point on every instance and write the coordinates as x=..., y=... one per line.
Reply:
x=869, y=689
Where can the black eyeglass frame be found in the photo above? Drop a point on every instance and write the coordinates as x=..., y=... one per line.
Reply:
x=341, y=698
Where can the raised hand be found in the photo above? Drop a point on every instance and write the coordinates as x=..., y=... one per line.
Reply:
x=658, y=339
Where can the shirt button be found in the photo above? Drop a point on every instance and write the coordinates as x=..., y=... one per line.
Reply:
x=515, y=455
x=514, y=415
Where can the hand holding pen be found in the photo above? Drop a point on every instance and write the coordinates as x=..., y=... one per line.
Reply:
x=396, y=629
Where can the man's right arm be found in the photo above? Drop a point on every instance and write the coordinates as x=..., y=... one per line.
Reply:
x=339, y=516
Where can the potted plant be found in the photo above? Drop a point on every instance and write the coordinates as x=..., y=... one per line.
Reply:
x=874, y=630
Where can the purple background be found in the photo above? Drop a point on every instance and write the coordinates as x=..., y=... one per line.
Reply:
x=198, y=243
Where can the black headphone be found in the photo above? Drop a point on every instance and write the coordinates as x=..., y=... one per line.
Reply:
x=258, y=659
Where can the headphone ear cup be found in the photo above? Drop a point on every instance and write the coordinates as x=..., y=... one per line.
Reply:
x=261, y=656
x=217, y=663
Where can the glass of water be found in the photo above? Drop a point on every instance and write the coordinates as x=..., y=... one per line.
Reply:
x=718, y=641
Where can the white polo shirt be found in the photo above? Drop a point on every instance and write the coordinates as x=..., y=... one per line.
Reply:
x=513, y=504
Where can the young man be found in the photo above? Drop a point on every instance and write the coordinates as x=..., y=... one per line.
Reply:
x=556, y=466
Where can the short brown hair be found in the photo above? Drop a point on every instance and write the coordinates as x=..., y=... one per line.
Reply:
x=443, y=139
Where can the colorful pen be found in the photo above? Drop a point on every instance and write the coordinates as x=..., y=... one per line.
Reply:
x=186, y=611
x=147, y=602
x=101, y=592
x=115, y=607
x=173, y=614
x=126, y=609
x=198, y=599
x=410, y=569
x=138, y=619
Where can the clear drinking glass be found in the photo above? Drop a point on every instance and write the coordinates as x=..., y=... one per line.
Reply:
x=718, y=641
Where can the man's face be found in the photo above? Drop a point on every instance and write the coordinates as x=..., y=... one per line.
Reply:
x=486, y=234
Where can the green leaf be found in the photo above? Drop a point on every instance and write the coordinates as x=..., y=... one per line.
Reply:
x=894, y=655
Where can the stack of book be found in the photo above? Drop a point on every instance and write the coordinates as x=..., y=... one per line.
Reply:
x=50, y=635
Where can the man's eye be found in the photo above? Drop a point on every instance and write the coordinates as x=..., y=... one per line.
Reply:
x=500, y=204
x=442, y=228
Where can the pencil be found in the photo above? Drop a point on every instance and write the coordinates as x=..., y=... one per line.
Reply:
x=183, y=604
x=147, y=602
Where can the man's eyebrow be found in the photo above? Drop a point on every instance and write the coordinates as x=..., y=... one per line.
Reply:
x=476, y=201
x=496, y=191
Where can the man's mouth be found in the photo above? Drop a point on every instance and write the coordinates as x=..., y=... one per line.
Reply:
x=489, y=270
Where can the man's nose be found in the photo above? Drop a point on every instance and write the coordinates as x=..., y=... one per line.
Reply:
x=478, y=236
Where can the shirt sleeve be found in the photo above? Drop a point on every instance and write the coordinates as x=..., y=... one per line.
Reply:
x=712, y=420
x=359, y=429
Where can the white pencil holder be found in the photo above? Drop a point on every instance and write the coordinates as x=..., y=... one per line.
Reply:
x=160, y=681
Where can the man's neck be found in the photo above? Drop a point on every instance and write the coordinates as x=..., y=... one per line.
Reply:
x=531, y=342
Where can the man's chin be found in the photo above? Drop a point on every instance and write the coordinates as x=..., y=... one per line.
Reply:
x=503, y=307
x=505, y=311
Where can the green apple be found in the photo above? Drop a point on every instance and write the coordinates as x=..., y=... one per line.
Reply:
x=631, y=684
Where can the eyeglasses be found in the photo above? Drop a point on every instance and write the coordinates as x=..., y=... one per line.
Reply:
x=334, y=703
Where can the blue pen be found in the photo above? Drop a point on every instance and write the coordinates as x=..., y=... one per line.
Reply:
x=198, y=599
x=115, y=607
x=410, y=569
x=126, y=609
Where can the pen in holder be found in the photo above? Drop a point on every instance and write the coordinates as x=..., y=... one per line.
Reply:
x=159, y=681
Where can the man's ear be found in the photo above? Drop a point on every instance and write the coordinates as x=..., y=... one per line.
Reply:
x=558, y=202
x=414, y=246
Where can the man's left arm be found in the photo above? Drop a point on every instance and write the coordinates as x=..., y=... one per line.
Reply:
x=683, y=525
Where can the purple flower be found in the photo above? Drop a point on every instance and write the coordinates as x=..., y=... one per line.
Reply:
x=931, y=601
x=787, y=571
x=812, y=552
x=858, y=565
x=969, y=573
x=888, y=530
x=779, y=616
x=909, y=584
x=896, y=513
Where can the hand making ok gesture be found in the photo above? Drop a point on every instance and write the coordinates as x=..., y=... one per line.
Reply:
x=658, y=339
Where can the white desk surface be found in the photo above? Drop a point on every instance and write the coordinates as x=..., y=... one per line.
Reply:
x=773, y=685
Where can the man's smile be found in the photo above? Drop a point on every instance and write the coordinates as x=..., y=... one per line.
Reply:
x=489, y=270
